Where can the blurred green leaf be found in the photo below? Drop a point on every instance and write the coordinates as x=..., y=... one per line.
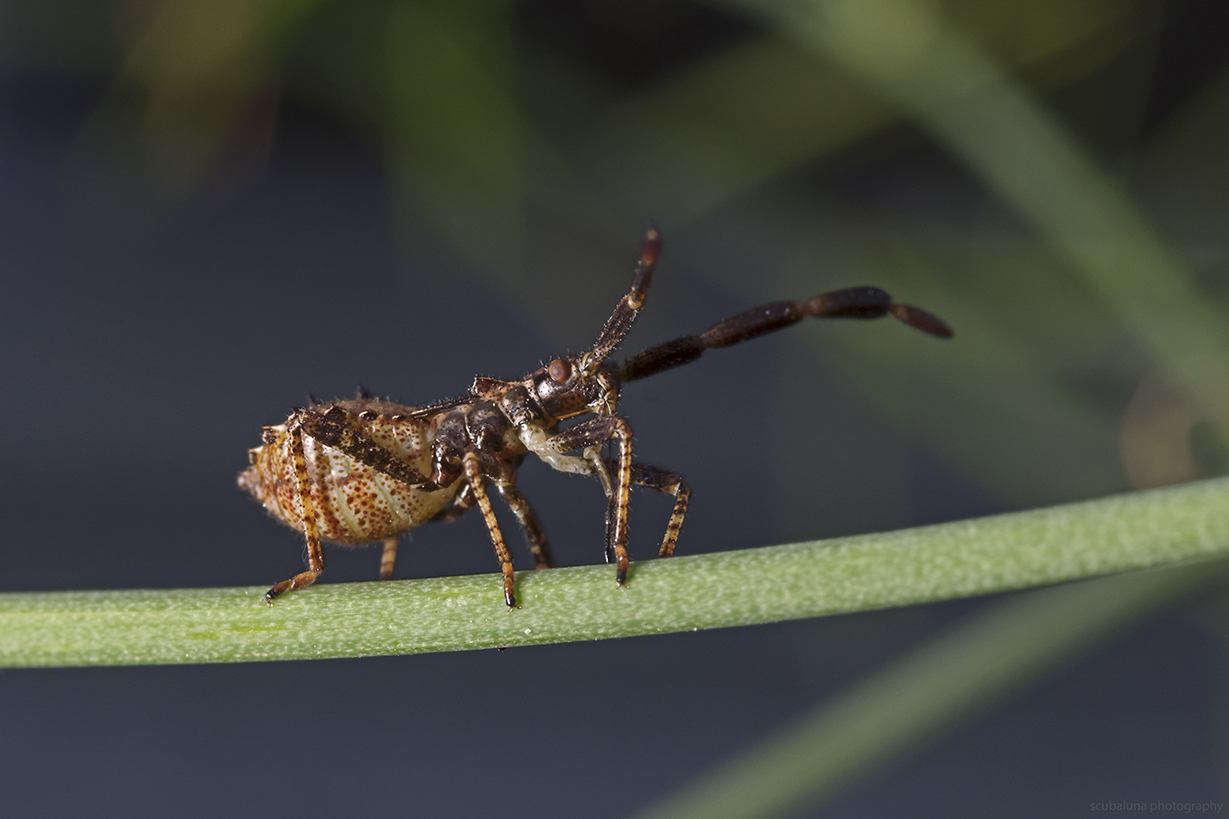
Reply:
x=916, y=58
x=455, y=126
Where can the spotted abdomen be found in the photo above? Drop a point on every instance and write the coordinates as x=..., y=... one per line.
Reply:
x=353, y=503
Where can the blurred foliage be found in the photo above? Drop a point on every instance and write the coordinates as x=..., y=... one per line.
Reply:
x=1078, y=252
x=1050, y=177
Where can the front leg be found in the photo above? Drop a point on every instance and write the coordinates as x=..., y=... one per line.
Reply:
x=594, y=434
x=669, y=483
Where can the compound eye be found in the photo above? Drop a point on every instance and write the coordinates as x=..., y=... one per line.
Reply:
x=559, y=370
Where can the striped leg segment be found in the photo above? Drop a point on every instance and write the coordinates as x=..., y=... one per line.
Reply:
x=475, y=476
x=315, y=555
x=388, y=559
x=662, y=480
x=598, y=431
x=542, y=557
x=652, y=477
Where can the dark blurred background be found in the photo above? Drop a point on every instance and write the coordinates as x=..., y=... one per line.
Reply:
x=209, y=208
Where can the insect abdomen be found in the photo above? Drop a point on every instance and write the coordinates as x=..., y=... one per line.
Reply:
x=354, y=503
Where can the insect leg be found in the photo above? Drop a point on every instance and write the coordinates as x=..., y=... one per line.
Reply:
x=388, y=559
x=662, y=480
x=598, y=431
x=588, y=463
x=474, y=474
x=520, y=507
x=333, y=428
x=315, y=555
x=852, y=302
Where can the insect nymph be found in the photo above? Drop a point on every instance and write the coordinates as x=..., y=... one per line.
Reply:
x=365, y=470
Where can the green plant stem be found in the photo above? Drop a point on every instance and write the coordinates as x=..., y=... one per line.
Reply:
x=1013, y=551
x=968, y=670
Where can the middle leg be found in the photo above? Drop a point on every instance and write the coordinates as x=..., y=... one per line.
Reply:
x=476, y=477
x=542, y=557
x=505, y=483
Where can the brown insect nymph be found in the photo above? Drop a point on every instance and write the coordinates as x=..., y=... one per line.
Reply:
x=365, y=470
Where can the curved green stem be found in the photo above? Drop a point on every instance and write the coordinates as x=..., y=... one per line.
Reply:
x=1013, y=551
x=976, y=665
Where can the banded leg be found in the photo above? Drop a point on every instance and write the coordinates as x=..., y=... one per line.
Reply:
x=474, y=474
x=597, y=432
x=332, y=427
x=542, y=557
x=852, y=302
x=315, y=555
x=670, y=483
x=466, y=499
x=388, y=559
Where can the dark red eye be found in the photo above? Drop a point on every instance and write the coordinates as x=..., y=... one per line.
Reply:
x=559, y=370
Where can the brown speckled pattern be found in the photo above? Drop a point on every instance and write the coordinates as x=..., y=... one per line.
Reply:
x=354, y=504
